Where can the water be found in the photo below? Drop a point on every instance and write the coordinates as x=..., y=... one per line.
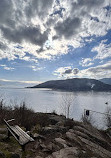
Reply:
x=46, y=100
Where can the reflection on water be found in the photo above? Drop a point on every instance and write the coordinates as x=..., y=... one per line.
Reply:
x=46, y=100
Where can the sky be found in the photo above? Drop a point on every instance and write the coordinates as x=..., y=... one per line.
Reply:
x=44, y=40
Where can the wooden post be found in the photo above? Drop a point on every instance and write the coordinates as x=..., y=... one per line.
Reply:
x=84, y=113
x=87, y=112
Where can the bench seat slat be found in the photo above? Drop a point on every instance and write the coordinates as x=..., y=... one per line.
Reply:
x=21, y=139
x=23, y=136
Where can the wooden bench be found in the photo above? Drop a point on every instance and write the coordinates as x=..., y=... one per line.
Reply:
x=21, y=136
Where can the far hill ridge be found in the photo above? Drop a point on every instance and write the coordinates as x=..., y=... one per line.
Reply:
x=75, y=84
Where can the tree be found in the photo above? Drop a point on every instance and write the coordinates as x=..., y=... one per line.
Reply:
x=67, y=101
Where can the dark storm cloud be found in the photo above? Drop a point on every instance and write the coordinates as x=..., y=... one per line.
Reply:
x=90, y=3
x=69, y=71
x=38, y=7
x=68, y=27
x=6, y=7
x=85, y=5
x=75, y=71
x=30, y=34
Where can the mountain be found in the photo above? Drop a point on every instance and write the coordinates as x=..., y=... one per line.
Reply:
x=75, y=84
x=106, y=80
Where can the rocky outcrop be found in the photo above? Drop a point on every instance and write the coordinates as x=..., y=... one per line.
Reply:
x=64, y=139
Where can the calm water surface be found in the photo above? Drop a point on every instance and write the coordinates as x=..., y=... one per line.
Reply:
x=46, y=100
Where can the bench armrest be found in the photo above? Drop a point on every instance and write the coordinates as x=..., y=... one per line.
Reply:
x=11, y=120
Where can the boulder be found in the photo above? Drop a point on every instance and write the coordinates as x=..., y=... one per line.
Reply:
x=69, y=152
x=73, y=138
x=53, y=130
x=61, y=142
x=38, y=136
x=54, y=119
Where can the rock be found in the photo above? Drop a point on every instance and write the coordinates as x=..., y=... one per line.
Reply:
x=53, y=147
x=53, y=130
x=78, y=133
x=96, y=148
x=2, y=136
x=90, y=131
x=38, y=136
x=73, y=137
x=60, y=123
x=61, y=141
x=49, y=156
x=50, y=146
x=69, y=152
x=37, y=145
x=3, y=130
x=42, y=146
x=93, y=135
x=38, y=157
x=54, y=119
x=2, y=155
x=71, y=130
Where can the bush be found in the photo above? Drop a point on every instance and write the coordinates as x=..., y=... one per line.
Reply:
x=69, y=123
x=87, y=120
x=23, y=115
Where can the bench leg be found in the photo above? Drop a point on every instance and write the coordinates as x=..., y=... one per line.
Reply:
x=9, y=134
x=23, y=147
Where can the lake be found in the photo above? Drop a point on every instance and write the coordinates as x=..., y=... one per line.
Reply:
x=46, y=100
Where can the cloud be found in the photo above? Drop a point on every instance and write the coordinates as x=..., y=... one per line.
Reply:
x=5, y=67
x=62, y=70
x=75, y=71
x=29, y=34
x=9, y=68
x=103, y=50
x=86, y=62
x=96, y=72
x=38, y=8
x=33, y=24
x=35, y=68
x=6, y=7
x=34, y=82
x=68, y=27
x=16, y=83
x=66, y=72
